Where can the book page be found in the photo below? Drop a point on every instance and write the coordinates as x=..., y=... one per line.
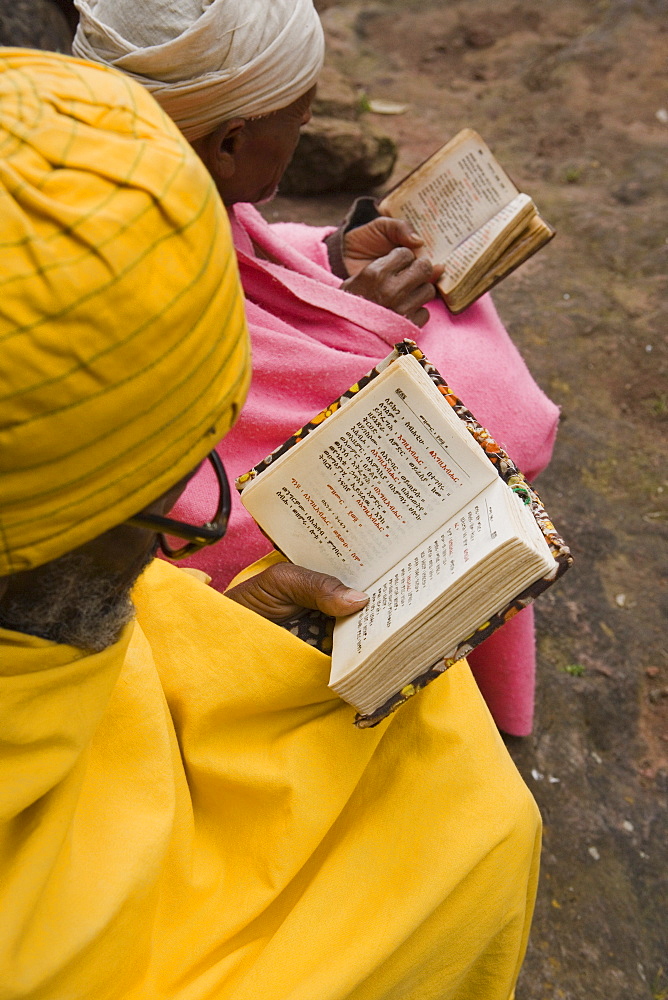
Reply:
x=490, y=236
x=371, y=481
x=536, y=234
x=413, y=583
x=452, y=194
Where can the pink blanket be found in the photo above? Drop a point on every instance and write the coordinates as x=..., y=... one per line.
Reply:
x=311, y=341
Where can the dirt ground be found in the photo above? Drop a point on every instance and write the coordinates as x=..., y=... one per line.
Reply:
x=571, y=95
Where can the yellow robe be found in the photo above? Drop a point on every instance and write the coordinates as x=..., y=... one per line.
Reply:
x=191, y=814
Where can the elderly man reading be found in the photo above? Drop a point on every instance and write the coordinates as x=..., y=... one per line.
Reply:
x=238, y=79
x=186, y=811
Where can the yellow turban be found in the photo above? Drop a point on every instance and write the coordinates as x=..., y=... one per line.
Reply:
x=123, y=345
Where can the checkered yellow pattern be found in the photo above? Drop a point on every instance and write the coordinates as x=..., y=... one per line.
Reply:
x=123, y=345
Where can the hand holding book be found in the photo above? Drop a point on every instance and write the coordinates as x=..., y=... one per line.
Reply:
x=366, y=244
x=397, y=490
x=381, y=258
x=472, y=218
x=283, y=591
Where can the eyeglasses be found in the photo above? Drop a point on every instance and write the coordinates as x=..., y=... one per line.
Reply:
x=197, y=535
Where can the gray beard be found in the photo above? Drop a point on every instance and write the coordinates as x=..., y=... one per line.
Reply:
x=72, y=604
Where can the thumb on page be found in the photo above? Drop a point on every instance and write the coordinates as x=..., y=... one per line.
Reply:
x=283, y=590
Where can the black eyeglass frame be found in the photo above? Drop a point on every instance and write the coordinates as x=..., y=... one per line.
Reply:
x=198, y=536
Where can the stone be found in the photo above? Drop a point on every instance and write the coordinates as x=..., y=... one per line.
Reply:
x=335, y=97
x=35, y=24
x=478, y=37
x=338, y=155
x=631, y=192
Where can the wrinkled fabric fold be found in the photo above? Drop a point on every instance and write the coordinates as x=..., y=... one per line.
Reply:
x=123, y=344
x=205, y=62
x=192, y=814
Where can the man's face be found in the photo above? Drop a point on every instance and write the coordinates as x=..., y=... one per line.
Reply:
x=262, y=152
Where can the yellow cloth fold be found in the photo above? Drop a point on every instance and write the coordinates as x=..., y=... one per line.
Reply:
x=123, y=346
x=192, y=815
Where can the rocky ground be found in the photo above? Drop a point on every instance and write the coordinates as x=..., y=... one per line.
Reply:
x=571, y=95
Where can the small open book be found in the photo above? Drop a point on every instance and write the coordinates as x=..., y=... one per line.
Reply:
x=396, y=489
x=471, y=217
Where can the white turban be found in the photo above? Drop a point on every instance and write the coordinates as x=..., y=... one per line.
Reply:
x=207, y=60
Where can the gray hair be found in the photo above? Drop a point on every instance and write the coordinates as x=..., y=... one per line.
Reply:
x=70, y=603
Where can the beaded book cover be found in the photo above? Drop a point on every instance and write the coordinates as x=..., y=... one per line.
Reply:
x=505, y=468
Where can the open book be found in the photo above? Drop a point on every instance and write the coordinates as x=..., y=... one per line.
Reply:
x=471, y=217
x=398, y=491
